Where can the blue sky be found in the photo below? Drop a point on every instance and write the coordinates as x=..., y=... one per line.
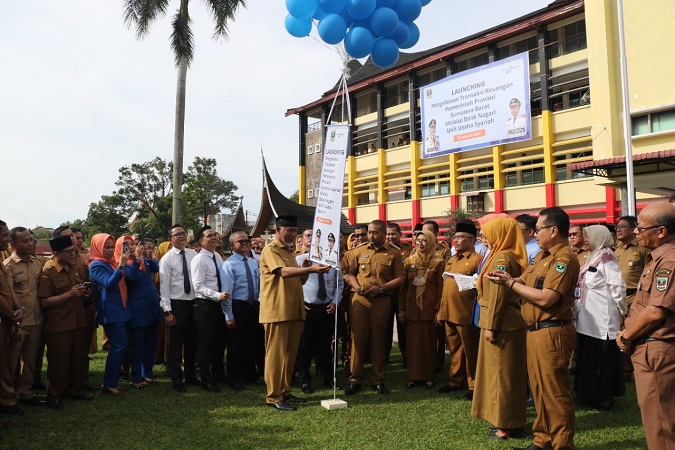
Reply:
x=83, y=97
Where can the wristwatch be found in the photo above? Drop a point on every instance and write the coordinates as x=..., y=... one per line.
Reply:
x=167, y=313
x=626, y=342
x=381, y=290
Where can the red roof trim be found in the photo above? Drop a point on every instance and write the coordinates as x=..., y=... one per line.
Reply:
x=620, y=160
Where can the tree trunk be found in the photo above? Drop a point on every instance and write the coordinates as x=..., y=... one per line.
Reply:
x=179, y=136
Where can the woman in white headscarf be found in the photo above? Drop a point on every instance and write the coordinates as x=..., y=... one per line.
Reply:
x=601, y=301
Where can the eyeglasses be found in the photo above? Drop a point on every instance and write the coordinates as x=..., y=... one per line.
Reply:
x=421, y=241
x=179, y=235
x=574, y=234
x=360, y=235
x=643, y=229
x=307, y=235
x=623, y=227
x=538, y=229
x=242, y=241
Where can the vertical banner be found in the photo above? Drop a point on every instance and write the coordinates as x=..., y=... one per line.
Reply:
x=481, y=107
x=325, y=246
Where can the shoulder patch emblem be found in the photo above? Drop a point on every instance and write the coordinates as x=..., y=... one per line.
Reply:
x=663, y=272
x=560, y=267
x=661, y=284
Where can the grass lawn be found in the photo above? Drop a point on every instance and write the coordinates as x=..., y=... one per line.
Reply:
x=158, y=418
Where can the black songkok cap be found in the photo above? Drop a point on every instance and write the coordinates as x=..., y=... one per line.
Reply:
x=287, y=221
x=331, y=237
x=418, y=227
x=465, y=227
x=61, y=242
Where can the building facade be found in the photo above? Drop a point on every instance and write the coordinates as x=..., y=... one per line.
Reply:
x=573, y=159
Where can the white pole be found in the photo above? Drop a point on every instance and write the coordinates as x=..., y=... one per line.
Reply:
x=627, y=133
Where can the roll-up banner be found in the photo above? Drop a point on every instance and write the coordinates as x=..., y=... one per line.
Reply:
x=481, y=107
x=325, y=246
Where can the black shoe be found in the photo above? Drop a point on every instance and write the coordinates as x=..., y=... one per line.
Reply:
x=11, y=410
x=211, y=387
x=282, y=406
x=307, y=388
x=257, y=381
x=125, y=377
x=598, y=405
x=38, y=385
x=193, y=381
x=178, y=387
x=353, y=388
x=468, y=396
x=84, y=397
x=381, y=389
x=237, y=386
x=91, y=387
x=55, y=404
x=529, y=402
x=329, y=384
x=447, y=389
x=219, y=379
x=33, y=401
x=529, y=447
x=290, y=398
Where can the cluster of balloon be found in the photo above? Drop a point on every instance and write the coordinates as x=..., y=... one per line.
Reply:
x=378, y=28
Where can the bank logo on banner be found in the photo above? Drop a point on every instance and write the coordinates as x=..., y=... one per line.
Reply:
x=481, y=107
x=325, y=246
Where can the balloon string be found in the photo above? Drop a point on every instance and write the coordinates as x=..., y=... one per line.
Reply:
x=342, y=90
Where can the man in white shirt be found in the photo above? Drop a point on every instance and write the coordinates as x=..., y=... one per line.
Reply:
x=205, y=271
x=527, y=224
x=177, y=301
x=516, y=125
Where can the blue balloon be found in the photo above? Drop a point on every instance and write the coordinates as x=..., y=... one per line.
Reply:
x=349, y=20
x=401, y=34
x=332, y=29
x=425, y=2
x=298, y=27
x=361, y=9
x=386, y=3
x=301, y=9
x=383, y=22
x=332, y=6
x=359, y=42
x=413, y=36
x=408, y=10
x=385, y=53
x=319, y=14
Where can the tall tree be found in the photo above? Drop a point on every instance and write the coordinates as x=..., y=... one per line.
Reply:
x=107, y=216
x=205, y=192
x=141, y=14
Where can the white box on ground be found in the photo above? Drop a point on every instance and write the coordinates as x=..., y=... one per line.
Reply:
x=333, y=403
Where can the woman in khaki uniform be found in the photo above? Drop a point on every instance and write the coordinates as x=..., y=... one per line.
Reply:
x=502, y=366
x=421, y=293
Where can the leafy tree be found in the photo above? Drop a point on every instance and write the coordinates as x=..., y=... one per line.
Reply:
x=107, y=216
x=453, y=215
x=295, y=197
x=205, y=192
x=141, y=14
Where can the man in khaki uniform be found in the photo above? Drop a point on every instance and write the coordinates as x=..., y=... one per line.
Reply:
x=631, y=257
x=376, y=273
x=576, y=238
x=455, y=312
x=62, y=295
x=650, y=327
x=23, y=274
x=547, y=289
x=282, y=310
x=394, y=239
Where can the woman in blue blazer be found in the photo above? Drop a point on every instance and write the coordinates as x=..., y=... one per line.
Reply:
x=145, y=312
x=106, y=266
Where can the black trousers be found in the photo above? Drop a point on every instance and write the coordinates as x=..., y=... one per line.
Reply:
x=400, y=331
x=245, y=343
x=182, y=340
x=211, y=325
x=317, y=334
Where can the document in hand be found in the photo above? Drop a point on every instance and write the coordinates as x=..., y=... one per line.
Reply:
x=464, y=282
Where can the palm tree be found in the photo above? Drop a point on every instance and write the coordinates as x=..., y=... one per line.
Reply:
x=141, y=14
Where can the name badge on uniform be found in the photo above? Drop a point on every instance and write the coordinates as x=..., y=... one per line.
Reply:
x=502, y=268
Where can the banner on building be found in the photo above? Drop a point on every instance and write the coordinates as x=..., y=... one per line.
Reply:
x=481, y=107
x=325, y=246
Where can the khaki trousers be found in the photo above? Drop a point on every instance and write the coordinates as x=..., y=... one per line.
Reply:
x=370, y=319
x=26, y=349
x=282, y=340
x=463, y=346
x=654, y=364
x=65, y=365
x=548, y=354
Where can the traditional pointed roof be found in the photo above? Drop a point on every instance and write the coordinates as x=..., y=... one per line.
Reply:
x=274, y=204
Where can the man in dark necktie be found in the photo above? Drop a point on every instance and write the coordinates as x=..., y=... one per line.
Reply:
x=177, y=301
x=246, y=341
x=205, y=271
x=323, y=292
